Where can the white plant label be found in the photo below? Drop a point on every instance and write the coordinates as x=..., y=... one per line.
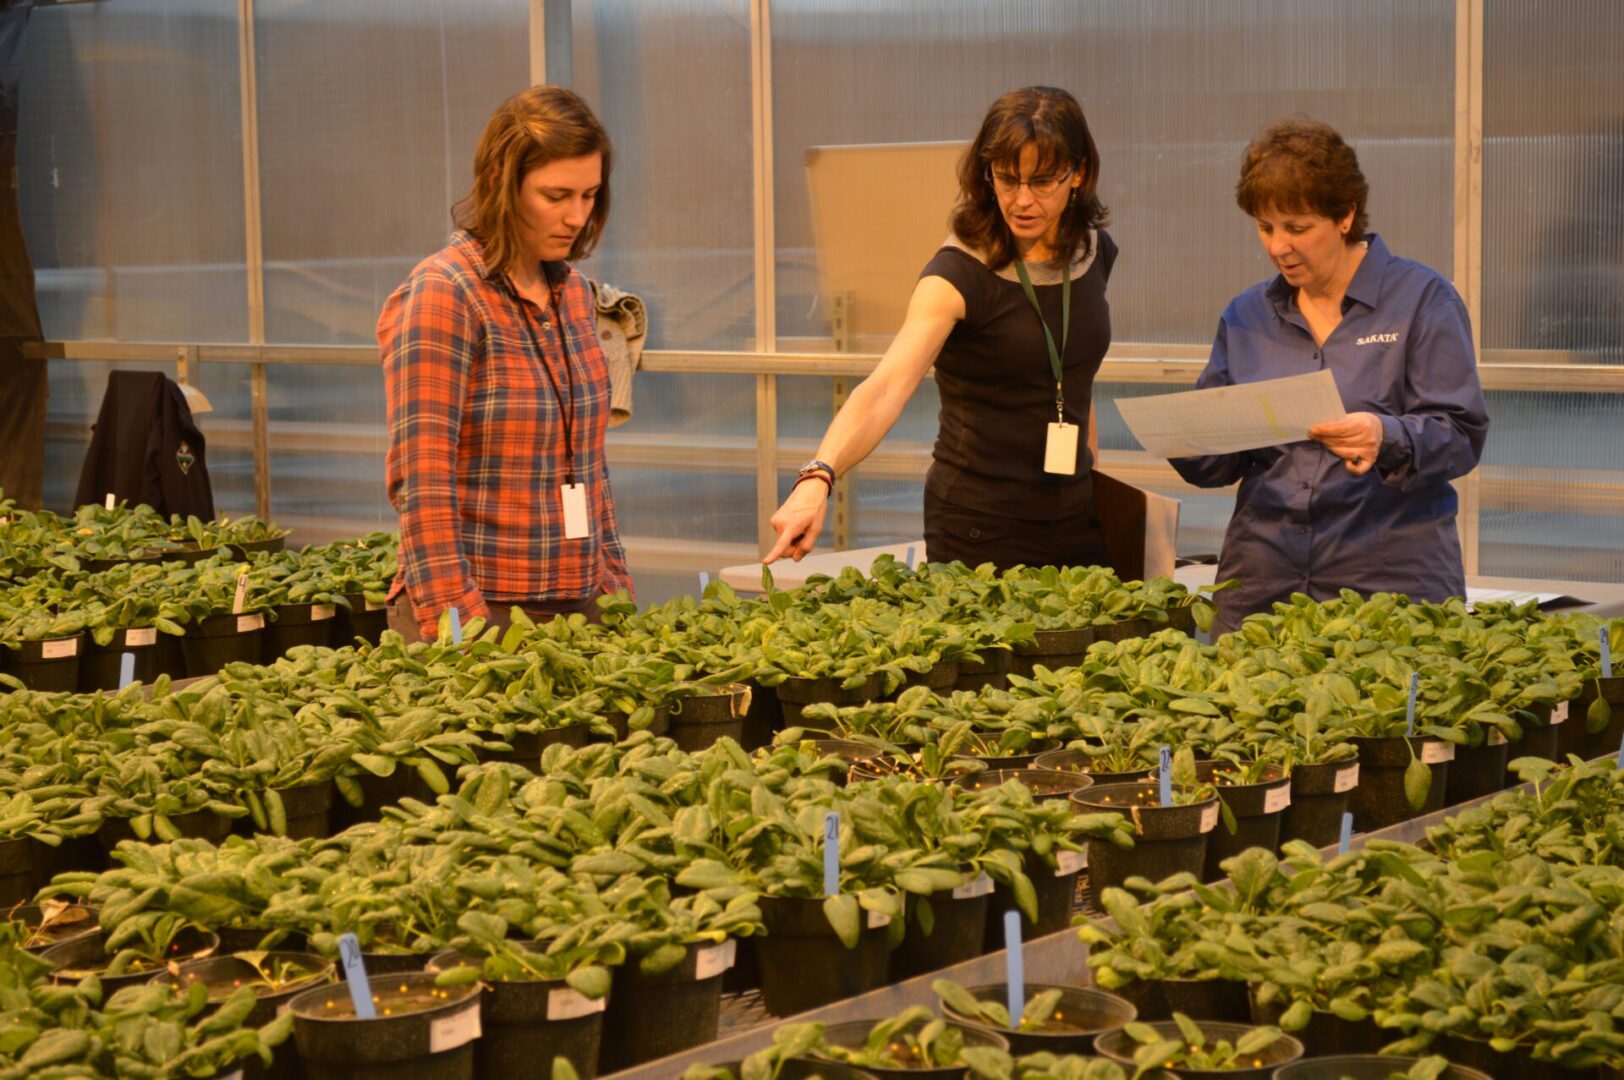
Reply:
x=1496, y=738
x=1209, y=818
x=1070, y=862
x=140, y=638
x=110, y=503
x=877, y=919
x=242, y=594
x=458, y=1029
x=568, y=1004
x=322, y=612
x=981, y=886
x=711, y=962
x=1276, y=799
x=1346, y=779
x=249, y=623
x=1559, y=713
x=60, y=649
x=1436, y=753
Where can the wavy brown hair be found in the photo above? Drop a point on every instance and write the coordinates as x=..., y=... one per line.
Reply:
x=530, y=129
x=1051, y=120
x=1303, y=166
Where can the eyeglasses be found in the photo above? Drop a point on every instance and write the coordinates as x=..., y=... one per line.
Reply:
x=1041, y=187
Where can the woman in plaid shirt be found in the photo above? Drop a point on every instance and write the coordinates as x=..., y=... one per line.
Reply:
x=497, y=389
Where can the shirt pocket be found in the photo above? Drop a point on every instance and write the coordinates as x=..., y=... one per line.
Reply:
x=507, y=385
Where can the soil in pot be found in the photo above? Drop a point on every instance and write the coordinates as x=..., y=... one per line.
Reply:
x=1478, y=770
x=54, y=923
x=1319, y=797
x=307, y=812
x=360, y=620
x=275, y=977
x=291, y=625
x=527, y=746
x=1605, y=741
x=51, y=666
x=212, y=643
x=1519, y=1063
x=1119, y=1046
x=1056, y=888
x=699, y=721
x=155, y=654
x=1043, y=783
x=1082, y=1014
x=1078, y=761
x=74, y=960
x=854, y=1035
x=1167, y=839
x=1364, y=1067
x=651, y=1016
x=1257, y=809
x=19, y=870
x=195, y=825
x=1221, y=1000
x=527, y=1023
x=803, y=963
x=1379, y=800
x=958, y=926
x=421, y=1032
x=991, y=670
x=796, y=694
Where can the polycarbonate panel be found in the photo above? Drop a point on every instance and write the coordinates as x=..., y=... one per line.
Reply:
x=1553, y=174
x=1173, y=90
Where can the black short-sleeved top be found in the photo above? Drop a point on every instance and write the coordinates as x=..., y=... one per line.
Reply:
x=997, y=388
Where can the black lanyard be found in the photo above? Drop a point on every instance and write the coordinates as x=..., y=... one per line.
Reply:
x=566, y=411
x=1065, y=330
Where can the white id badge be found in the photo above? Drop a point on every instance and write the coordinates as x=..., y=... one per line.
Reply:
x=1060, y=453
x=574, y=497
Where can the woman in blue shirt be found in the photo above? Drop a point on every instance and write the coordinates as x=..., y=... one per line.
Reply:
x=1366, y=504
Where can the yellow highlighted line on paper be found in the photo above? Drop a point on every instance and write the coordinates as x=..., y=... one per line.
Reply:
x=1268, y=416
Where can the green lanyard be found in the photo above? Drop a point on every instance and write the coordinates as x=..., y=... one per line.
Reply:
x=1065, y=330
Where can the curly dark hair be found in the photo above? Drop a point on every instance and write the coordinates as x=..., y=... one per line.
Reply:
x=1053, y=122
x=1304, y=166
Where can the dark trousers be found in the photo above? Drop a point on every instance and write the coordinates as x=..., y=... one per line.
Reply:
x=963, y=534
x=403, y=617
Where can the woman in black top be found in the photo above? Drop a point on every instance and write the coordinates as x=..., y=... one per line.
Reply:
x=1009, y=482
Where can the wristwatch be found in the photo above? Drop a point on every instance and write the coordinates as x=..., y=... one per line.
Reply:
x=820, y=469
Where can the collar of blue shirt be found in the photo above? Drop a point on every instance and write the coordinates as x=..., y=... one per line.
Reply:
x=1365, y=288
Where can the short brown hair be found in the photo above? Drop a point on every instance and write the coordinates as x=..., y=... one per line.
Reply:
x=1304, y=166
x=1052, y=121
x=530, y=129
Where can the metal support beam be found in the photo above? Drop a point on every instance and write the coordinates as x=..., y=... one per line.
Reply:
x=845, y=506
x=761, y=141
x=1468, y=262
x=254, y=252
x=552, y=43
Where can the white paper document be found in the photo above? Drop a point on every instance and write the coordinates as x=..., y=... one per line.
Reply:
x=1226, y=419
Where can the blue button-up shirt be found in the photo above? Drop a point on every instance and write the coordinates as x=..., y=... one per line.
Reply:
x=1302, y=522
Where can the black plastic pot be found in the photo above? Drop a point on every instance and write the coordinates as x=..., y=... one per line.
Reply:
x=359, y=621
x=699, y=721
x=1327, y=1033
x=239, y=552
x=1119, y=1046
x=1365, y=1067
x=1379, y=800
x=291, y=625
x=1182, y=619
x=218, y=640
x=1257, y=809
x=764, y=718
x=1519, y=1063
x=940, y=679
x=1053, y=649
x=526, y=1024
x=1319, y=797
x=958, y=928
x=308, y=809
x=1605, y=741
x=196, y=825
x=1077, y=761
x=1477, y=770
x=849, y=751
x=527, y=746
x=803, y=963
x=1082, y=1014
x=88, y=953
x=1540, y=736
x=796, y=694
x=378, y=792
x=51, y=666
x=74, y=853
x=1043, y=783
x=854, y=1034
x=72, y=922
x=1122, y=630
x=1220, y=1000
x=395, y=963
x=227, y=972
x=1056, y=888
x=1167, y=839
x=155, y=654
x=1026, y=759
x=19, y=871
x=236, y=939
x=651, y=1016
x=429, y=1034
x=991, y=670
x=807, y=1069
x=96, y=566
x=622, y=722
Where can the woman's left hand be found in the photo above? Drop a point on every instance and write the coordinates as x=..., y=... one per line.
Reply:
x=1356, y=439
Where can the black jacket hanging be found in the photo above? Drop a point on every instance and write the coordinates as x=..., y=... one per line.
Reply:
x=145, y=448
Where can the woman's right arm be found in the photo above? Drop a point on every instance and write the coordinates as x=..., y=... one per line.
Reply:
x=1214, y=470
x=429, y=337
x=870, y=410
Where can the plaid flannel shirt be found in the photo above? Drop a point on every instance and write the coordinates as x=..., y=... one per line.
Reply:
x=476, y=439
